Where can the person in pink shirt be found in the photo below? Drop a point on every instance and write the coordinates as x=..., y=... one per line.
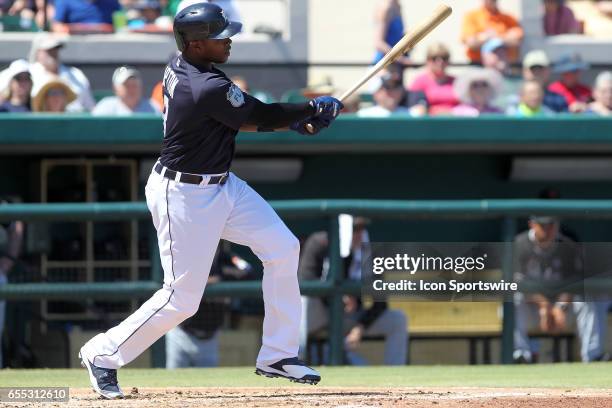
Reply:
x=477, y=90
x=435, y=82
x=559, y=19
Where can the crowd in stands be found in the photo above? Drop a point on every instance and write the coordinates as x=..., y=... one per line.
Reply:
x=100, y=16
x=44, y=84
x=496, y=82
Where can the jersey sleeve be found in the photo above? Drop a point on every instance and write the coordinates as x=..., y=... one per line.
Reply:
x=61, y=11
x=223, y=101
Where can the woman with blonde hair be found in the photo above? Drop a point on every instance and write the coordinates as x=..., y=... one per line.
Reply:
x=435, y=82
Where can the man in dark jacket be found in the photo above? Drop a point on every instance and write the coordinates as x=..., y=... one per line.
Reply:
x=377, y=320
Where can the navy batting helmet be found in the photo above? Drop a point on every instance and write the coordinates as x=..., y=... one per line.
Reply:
x=203, y=21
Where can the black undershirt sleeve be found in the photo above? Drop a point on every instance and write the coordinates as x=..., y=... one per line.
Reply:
x=272, y=116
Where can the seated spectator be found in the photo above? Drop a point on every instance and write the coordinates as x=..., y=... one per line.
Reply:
x=536, y=67
x=435, y=82
x=486, y=23
x=388, y=28
x=128, y=99
x=388, y=93
x=53, y=97
x=146, y=16
x=477, y=91
x=576, y=94
x=559, y=19
x=30, y=11
x=85, y=12
x=358, y=320
x=531, y=104
x=46, y=64
x=542, y=255
x=602, y=105
x=495, y=56
x=15, y=87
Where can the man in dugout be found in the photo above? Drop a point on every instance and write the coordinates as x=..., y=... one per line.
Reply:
x=543, y=255
x=359, y=321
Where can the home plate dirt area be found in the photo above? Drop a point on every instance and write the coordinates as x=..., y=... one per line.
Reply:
x=317, y=396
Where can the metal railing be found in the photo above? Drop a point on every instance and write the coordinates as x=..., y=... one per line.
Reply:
x=335, y=286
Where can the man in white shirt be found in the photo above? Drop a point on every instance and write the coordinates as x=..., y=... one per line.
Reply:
x=388, y=94
x=46, y=65
x=128, y=95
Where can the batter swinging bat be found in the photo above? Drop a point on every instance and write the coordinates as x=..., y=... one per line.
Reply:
x=408, y=42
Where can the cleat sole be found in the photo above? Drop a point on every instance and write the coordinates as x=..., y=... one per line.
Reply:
x=267, y=374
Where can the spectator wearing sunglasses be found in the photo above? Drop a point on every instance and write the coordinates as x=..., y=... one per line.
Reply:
x=435, y=82
x=15, y=87
x=477, y=91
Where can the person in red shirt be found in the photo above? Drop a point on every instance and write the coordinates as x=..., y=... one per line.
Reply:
x=577, y=95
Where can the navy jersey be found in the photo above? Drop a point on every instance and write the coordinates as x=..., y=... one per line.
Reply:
x=203, y=112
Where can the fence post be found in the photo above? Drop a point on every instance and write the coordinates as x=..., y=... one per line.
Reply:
x=509, y=232
x=336, y=310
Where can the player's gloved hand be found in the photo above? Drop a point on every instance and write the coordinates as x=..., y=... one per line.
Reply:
x=317, y=123
x=326, y=107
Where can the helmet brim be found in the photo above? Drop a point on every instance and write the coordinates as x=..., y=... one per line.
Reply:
x=231, y=30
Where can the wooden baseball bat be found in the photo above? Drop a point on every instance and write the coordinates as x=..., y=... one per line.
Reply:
x=412, y=38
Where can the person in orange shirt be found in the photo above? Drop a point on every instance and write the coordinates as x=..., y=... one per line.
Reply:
x=479, y=26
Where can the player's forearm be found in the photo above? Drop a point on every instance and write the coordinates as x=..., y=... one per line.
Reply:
x=275, y=116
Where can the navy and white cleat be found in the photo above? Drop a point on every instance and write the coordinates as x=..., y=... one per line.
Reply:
x=103, y=380
x=293, y=369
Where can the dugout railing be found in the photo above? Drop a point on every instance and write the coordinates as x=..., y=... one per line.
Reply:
x=507, y=211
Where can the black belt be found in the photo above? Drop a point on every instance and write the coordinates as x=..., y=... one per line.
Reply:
x=189, y=178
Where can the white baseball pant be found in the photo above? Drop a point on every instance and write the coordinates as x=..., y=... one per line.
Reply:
x=190, y=219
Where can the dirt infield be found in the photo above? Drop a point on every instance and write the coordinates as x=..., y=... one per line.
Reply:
x=315, y=396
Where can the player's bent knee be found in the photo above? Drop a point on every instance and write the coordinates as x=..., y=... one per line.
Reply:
x=283, y=247
x=183, y=310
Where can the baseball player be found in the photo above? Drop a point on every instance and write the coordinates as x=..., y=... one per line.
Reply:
x=195, y=201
